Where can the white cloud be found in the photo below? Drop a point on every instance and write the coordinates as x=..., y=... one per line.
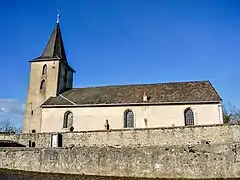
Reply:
x=12, y=110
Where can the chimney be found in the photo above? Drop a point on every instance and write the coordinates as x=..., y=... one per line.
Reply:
x=145, y=98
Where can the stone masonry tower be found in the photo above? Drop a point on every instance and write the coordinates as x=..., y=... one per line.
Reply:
x=50, y=74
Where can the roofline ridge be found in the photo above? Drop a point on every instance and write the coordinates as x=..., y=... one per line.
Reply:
x=67, y=99
x=215, y=90
x=141, y=84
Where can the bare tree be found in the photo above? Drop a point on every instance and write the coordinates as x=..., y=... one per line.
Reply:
x=231, y=114
x=8, y=127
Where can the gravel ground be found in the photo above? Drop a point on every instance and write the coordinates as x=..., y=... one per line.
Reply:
x=6, y=174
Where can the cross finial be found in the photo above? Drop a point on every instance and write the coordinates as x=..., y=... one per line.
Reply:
x=58, y=14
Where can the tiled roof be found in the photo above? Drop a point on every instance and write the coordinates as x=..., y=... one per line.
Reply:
x=9, y=143
x=177, y=92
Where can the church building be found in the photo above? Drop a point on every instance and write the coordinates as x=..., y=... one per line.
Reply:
x=53, y=105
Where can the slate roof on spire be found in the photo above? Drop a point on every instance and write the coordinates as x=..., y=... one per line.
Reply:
x=54, y=48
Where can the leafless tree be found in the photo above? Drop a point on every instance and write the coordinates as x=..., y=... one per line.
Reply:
x=8, y=127
x=231, y=114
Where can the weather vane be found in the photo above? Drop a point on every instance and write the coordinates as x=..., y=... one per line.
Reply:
x=58, y=14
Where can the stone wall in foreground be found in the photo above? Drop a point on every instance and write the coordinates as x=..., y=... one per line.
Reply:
x=190, y=152
x=137, y=137
x=196, y=161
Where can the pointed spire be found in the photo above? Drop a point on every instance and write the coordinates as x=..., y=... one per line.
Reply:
x=55, y=47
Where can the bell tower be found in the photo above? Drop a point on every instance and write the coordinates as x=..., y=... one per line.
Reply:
x=50, y=74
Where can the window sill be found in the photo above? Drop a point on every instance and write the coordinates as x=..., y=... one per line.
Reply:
x=129, y=128
x=65, y=129
x=42, y=90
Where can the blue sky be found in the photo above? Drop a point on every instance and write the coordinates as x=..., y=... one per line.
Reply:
x=123, y=42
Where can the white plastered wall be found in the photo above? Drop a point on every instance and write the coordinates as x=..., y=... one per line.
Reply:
x=94, y=118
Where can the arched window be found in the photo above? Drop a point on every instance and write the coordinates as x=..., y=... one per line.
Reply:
x=44, y=70
x=68, y=119
x=188, y=117
x=128, y=119
x=43, y=85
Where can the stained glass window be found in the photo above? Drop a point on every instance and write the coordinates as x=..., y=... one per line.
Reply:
x=128, y=119
x=68, y=120
x=189, y=117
